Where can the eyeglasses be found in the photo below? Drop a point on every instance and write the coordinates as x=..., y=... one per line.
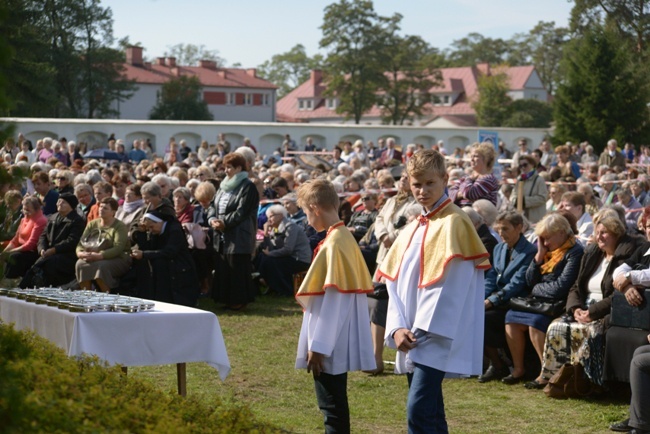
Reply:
x=523, y=165
x=62, y=178
x=364, y=199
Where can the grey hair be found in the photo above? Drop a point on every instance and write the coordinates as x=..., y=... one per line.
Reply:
x=164, y=178
x=277, y=209
x=487, y=210
x=474, y=216
x=79, y=187
x=151, y=188
x=183, y=191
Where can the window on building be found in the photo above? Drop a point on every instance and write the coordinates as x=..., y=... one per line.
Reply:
x=435, y=100
x=330, y=103
x=266, y=99
x=445, y=100
x=231, y=98
x=248, y=99
x=301, y=104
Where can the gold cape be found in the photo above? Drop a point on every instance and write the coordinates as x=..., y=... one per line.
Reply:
x=449, y=234
x=338, y=264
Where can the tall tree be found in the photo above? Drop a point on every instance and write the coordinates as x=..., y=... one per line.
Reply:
x=604, y=93
x=190, y=54
x=354, y=35
x=630, y=18
x=180, y=99
x=543, y=47
x=290, y=69
x=475, y=48
x=6, y=53
x=410, y=65
x=493, y=103
x=529, y=113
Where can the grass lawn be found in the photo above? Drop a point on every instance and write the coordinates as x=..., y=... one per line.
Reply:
x=261, y=343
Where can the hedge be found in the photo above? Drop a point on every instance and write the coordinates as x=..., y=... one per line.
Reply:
x=43, y=390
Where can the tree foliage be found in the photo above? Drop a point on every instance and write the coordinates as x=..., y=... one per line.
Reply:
x=529, y=113
x=604, y=94
x=190, y=54
x=180, y=99
x=476, y=48
x=290, y=69
x=355, y=36
x=6, y=52
x=629, y=18
x=410, y=73
x=64, y=65
x=493, y=103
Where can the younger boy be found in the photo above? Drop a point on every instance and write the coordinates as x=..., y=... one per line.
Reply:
x=434, y=274
x=335, y=335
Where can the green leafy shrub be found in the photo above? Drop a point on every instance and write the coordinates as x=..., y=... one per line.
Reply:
x=43, y=390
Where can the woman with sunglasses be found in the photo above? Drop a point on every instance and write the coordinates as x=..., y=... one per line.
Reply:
x=361, y=221
x=529, y=195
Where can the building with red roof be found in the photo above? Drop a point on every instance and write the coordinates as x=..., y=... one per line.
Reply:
x=450, y=105
x=232, y=94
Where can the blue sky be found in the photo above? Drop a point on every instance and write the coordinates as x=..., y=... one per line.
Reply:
x=252, y=31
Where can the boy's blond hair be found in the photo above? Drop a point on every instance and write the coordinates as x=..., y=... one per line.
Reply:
x=318, y=192
x=426, y=160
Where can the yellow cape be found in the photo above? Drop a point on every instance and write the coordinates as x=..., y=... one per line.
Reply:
x=449, y=234
x=338, y=264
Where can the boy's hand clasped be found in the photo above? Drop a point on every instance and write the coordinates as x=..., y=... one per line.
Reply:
x=315, y=362
x=404, y=340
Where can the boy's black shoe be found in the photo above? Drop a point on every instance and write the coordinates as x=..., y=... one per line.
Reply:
x=621, y=426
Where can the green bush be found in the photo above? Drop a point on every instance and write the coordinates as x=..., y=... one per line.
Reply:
x=43, y=390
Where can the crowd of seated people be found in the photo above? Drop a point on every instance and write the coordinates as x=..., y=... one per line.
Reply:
x=188, y=223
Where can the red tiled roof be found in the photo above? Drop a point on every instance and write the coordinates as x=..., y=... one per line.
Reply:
x=461, y=80
x=459, y=120
x=519, y=75
x=221, y=77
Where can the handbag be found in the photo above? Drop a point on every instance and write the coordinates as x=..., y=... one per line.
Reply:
x=96, y=241
x=632, y=317
x=544, y=306
x=195, y=236
x=569, y=382
x=380, y=292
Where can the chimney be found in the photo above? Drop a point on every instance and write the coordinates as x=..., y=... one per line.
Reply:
x=252, y=72
x=484, y=68
x=316, y=76
x=134, y=55
x=221, y=73
x=176, y=72
x=147, y=65
x=160, y=61
x=171, y=62
x=208, y=64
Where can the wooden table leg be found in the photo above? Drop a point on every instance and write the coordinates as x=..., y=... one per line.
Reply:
x=181, y=378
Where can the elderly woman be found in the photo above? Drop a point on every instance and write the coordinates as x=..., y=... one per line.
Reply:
x=506, y=279
x=284, y=252
x=529, y=194
x=592, y=203
x=203, y=211
x=555, y=192
x=236, y=203
x=154, y=200
x=183, y=205
x=103, y=265
x=629, y=278
x=361, y=221
x=164, y=267
x=575, y=203
x=22, y=247
x=64, y=180
x=132, y=209
x=581, y=338
x=551, y=275
x=481, y=184
x=56, y=246
x=391, y=218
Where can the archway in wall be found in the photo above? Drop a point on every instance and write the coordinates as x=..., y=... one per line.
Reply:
x=317, y=139
x=351, y=138
x=235, y=139
x=427, y=141
x=193, y=140
x=456, y=142
x=35, y=136
x=269, y=143
x=93, y=140
x=139, y=135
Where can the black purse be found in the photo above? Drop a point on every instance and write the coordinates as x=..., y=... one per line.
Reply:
x=540, y=305
x=632, y=317
x=380, y=292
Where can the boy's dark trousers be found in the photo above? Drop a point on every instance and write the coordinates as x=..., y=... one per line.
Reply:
x=332, y=396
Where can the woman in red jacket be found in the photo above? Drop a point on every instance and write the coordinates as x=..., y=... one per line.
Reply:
x=22, y=249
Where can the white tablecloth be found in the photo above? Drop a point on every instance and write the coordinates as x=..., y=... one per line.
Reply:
x=167, y=334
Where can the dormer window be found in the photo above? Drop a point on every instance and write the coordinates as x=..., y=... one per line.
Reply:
x=445, y=100
x=330, y=103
